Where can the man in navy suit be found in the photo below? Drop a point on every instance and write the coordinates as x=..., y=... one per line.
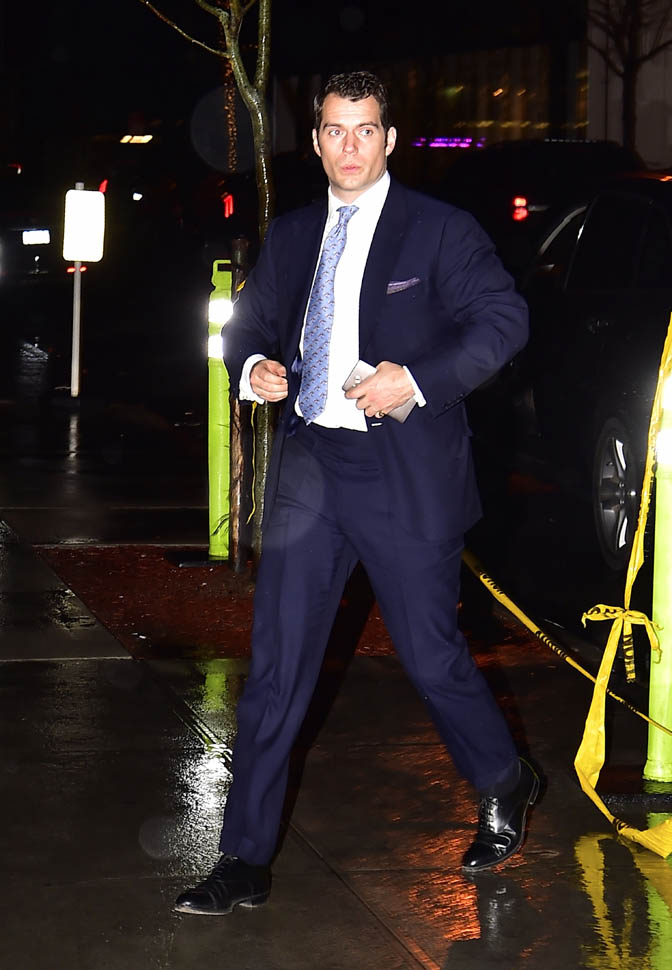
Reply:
x=413, y=287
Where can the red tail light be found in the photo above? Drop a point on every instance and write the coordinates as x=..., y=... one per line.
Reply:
x=520, y=210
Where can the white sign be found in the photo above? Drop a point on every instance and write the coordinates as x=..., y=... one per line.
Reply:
x=84, y=226
x=36, y=237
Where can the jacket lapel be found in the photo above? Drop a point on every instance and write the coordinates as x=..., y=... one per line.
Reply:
x=379, y=269
x=308, y=231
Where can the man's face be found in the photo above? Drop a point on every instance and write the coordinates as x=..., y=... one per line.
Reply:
x=352, y=145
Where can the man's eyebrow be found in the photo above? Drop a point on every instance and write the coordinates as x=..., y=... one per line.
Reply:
x=361, y=124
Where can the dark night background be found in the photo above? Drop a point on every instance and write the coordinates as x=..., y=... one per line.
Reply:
x=79, y=69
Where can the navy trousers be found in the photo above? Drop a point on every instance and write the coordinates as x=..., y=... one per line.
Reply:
x=331, y=511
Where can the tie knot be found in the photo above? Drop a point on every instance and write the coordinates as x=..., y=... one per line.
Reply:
x=345, y=213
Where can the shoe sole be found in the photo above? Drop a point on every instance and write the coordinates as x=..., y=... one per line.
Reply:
x=250, y=903
x=534, y=794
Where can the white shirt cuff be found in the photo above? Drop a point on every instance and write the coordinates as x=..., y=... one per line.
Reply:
x=417, y=393
x=245, y=392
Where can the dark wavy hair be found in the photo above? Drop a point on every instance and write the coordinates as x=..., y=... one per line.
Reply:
x=355, y=86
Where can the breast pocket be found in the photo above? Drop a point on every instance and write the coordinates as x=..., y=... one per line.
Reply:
x=403, y=286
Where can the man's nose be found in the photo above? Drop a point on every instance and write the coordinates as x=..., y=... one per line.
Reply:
x=350, y=143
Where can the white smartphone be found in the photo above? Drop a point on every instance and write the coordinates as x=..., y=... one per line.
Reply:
x=362, y=370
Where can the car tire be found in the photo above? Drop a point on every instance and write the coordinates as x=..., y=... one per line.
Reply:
x=616, y=490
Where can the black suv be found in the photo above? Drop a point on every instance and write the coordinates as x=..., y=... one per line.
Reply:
x=600, y=297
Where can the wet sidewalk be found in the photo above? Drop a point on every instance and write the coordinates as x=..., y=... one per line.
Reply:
x=115, y=771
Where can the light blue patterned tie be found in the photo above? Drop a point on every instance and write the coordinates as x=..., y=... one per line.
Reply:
x=320, y=320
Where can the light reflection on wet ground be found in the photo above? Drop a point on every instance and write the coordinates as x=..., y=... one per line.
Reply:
x=378, y=828
x=576, y=897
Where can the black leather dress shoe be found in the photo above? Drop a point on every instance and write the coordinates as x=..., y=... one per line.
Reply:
x=501, y=823
x=231, y=883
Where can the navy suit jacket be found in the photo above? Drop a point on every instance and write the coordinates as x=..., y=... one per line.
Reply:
x=434, y=297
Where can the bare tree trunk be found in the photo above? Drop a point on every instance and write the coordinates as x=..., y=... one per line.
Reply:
x=229, y=15
x=254, y=96
x=629, y=108
x=239, y=548
x=263, y=428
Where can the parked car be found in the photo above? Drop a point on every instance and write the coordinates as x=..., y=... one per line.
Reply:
x=33, y=278
x=600, y=296
x=29, y=230
x=516, y=189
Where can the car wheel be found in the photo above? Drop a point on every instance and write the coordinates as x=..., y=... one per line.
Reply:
x=617, y=482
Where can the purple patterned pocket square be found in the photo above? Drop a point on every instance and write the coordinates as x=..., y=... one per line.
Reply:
x=396, y=286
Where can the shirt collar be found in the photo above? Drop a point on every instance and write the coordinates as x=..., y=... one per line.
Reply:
x=371, y=200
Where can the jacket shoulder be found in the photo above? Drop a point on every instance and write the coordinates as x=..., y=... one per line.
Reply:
x=429, y=207
x=307, y=215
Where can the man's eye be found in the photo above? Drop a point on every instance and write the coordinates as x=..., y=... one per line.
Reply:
x=366, y=131
x=334, y=131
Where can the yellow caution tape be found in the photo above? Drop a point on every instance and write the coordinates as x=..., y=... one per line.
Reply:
x=623, y=621
x=477, y=569
x=591, y=755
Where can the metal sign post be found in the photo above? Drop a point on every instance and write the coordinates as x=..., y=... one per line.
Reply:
x=76, y=329
x=83, y=238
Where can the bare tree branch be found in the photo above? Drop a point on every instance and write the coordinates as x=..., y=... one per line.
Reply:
x=662, y=28
x=219, y=12
x=183, y=33
x=624, y=24
x=611, y=64
x=628, y=34
x=656, y=50
x=264, y=42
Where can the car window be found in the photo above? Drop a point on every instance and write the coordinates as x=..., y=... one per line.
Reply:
x=557, y=248
x=555, y=252
x=654, y=270
x=606, y=253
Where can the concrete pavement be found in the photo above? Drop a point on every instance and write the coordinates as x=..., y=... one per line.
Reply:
x=115, y=771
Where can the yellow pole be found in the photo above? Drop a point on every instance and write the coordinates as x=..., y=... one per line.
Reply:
x=219, y=419
x=659, y=761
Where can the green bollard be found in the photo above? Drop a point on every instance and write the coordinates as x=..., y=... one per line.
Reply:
x=659, y=761
x=219, y=418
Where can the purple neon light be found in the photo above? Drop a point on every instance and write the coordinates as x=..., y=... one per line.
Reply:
x=448, y=141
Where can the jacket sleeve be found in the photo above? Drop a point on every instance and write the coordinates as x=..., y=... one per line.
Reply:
x=489, y=320
x=253, y=327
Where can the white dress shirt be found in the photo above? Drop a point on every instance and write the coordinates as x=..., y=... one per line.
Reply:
x=340, y=411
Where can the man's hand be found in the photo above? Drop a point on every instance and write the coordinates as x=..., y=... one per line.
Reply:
x=383, y=391
x=268, y=379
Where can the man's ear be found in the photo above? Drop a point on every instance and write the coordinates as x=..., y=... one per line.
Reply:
x=316, y=145
x=391, y=140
